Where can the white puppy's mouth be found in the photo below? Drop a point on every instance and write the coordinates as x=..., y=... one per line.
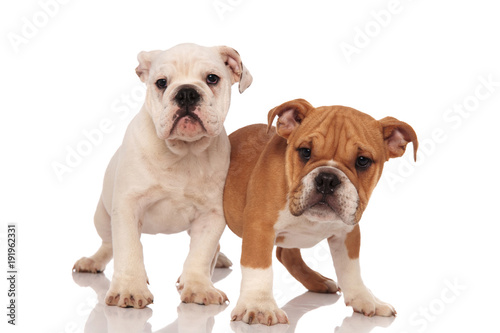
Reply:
x=187, y=120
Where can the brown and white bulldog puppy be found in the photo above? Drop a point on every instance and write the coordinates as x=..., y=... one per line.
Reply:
x=168, y=175
x=309, y=180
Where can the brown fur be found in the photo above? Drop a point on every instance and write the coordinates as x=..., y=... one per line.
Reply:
x=265, y=168
x=353, y=242
x=313, y=281
x=255, y=226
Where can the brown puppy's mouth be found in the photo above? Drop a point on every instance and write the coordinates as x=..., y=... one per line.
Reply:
x=321, y=207
x=322, y=204
x=314, y=203
x=324, y=198
x=321, y=201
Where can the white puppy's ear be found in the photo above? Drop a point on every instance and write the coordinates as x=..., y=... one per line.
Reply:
x=397, y=135
x=233, y=61
x=145, y=59
x=290, y=115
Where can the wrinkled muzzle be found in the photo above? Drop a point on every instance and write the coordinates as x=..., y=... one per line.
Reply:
x=325, y=195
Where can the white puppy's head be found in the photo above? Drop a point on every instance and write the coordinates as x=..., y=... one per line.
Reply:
x=189, y=89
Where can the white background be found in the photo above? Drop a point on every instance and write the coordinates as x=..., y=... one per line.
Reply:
x=429, y=235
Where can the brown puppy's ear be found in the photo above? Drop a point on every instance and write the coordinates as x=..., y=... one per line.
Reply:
x=232, y=59
x=290, y=115
x=397, y=135
x=145, y=59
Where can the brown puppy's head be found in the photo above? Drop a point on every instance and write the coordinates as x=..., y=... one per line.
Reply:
x=335, y=156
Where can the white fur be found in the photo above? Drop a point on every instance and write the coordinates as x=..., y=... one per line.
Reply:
x=166, y=180
x=256, y=303
x=300, y=232
x=356, y=294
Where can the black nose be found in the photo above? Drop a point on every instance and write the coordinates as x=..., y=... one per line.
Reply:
x=326, y=183
x=187, y=97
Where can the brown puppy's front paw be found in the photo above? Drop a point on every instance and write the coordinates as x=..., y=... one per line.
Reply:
x=87, y=265
x=369, y=305
x=259, y=311
x=201, y=293
x=129, y=293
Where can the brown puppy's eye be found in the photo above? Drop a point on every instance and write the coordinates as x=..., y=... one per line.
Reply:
x=304, y=154
x=363, y=163
x=212, y=79
x=161, y=83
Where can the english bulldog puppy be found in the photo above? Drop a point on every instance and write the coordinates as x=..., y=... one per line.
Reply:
x=168, y=175
x=308, y=180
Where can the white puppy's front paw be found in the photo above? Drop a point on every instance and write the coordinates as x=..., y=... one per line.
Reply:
x=259, y=310
x=369, y=305
x=201, y=293
x=129, y=292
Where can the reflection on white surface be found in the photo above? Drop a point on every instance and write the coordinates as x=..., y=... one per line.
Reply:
x=193, y=318
x=106, y=319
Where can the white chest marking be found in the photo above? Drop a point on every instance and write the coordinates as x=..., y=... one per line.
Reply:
x=299, y=232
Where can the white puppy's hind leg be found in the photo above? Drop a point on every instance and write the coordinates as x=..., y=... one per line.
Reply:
x=220, y=261
x=223, y=261
x=97, y=262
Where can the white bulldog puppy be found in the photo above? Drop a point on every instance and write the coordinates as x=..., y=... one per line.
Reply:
x=169, y=173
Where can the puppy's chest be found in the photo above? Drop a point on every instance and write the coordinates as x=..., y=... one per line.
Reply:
x=180, y=198
x=194, y=186
x=298, y=232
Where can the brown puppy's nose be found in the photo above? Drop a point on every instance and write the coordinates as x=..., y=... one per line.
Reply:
x=187, y=97
x=326, y=183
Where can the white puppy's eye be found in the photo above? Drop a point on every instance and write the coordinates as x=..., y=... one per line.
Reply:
x=161, y=83
x=212, y=79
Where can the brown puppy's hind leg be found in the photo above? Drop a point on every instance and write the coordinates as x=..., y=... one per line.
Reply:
x=312, y=280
